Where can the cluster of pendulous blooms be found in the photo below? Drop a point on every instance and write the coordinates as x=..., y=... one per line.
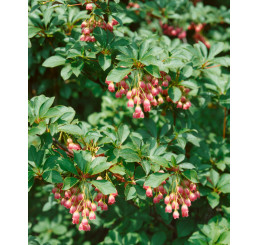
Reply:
x=173, y=31
x=148, y=92
x=183, y=102
x=198, y=28
x=183, y=195
x=89, y=26
x=81, y=207
x=133, y=5
x=72, y=146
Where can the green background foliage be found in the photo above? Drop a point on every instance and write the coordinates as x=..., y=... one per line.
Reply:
x=71, y=74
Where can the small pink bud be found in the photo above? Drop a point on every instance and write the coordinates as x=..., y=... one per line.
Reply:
x=179, y=105
x=76, y=221
x=168, y=208
x=88, y=203
x=76, y=215
x=142, y=85
x=68, y=204
x=155, y=200
x=85, y=212
x=93, y=206
x=80, y=196
x=172, y=196
x=167, y=200
x=84, y=221
x=184, y=208
x=192, y=197
x=81, y=227
x=149, y=192
x=72, y=209
x=160, y=196
x=68, y=194
x=165, y=83
x=168, y=78
x=92, y=215
x=84, y=24
x=138, y=109
x=186, y=190
x=57, y=195
x=111, y=87
x=176, y=214
x=54, y=190
x=63, y=201
x=187, y=202
x=175, y=205
x=118, y=95
x=192, y=187
x=114, y=22
x=105, y=207
x=129, y=95
x=160, y=100
x=89, y=6
x=111, y=199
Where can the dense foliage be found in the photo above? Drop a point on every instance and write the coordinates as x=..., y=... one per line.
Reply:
x=128, y=122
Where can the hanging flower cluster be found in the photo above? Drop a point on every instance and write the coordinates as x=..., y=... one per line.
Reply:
x=198, y=28
x=182, y=194
x=147, y=93
x=173, y=31
x=89, y=26
x=81, y=204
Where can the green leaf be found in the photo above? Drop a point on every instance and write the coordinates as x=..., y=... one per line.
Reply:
x=129, y=155
x=224, y=183
x=213, y=199
x=154, y=180
x=160, y=161
x=98, y=165
x=69, y=182
x=66, y=72
x=185, y=227
x=153, y=70
x=83, y=160
x=215, y=49
x=52, y=176
x=224, y=238
x=214, y=176
x=123, y=132
x=174, y=93
x=117, y=74
x=66, y=165
x=101, y=36
x=45, y=106
x=151, y=127
x=70, y=129
x=130, y=192
x=104, y=61
x=186, y=165
x=191, y=175
x=158, y=238
x=104, y=186
x=30, y=184
x=54, y=61
x=117, y=169
x=33, y=31
x=187, y=71
x=59, y=229
x=35, y=157
x=146, y=165
x=190, y=84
